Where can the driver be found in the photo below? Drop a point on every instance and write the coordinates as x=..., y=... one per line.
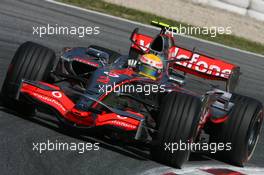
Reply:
x=148, y=65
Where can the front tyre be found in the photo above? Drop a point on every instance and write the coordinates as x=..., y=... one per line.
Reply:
x=32, y=62
x=177, y=123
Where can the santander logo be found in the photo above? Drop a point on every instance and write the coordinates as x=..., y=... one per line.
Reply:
x=144, y=46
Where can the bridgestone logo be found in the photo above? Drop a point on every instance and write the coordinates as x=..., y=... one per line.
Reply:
x=123, y=124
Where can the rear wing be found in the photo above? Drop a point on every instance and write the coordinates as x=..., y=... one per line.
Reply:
x=200, y=65
x=205, y=66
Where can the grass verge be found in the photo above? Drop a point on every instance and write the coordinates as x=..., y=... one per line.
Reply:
x=144, y=17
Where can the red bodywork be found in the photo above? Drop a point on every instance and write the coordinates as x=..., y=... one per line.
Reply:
x=54, y=97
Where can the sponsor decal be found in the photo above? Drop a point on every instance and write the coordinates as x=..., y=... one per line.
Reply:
x=201, y=63
x=49, y=100
x=103, y=79
x=144, y=46
x=85, y=62
x=122, y=124
x=56, y=94
x=120, y=117
x=142, y=41
x=111, y=74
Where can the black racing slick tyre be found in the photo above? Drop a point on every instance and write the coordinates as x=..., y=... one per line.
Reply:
x=31, y=62
x=241, y=130
x=176, y=125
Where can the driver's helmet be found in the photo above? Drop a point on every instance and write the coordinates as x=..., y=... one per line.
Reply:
x=150, y=66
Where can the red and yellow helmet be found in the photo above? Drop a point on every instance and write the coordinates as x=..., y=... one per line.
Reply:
x=150, y=66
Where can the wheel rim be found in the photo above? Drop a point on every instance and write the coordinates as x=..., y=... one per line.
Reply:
x=254, y=134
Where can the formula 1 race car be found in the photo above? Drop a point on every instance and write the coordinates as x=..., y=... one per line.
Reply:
x=140, y=97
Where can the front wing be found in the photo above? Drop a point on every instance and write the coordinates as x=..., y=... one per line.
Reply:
x=53, y=97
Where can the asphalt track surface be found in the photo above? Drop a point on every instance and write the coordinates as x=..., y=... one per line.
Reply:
x=17, y=133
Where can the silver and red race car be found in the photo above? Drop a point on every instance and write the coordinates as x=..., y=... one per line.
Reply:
x=94, y=87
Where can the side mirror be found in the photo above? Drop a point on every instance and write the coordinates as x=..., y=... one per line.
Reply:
x=97, y=53
x=173, y=60
x=176, y=77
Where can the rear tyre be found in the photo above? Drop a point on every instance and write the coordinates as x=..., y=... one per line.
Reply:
x=32, y=62
x=177, y=123
x=241, y=130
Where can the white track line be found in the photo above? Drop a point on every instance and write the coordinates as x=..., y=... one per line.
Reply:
x=149, y=26
x=198, y=169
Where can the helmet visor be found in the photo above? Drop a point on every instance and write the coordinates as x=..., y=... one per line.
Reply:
x=148, y=70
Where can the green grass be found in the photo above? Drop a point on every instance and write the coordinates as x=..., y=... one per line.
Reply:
x=143, y=17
